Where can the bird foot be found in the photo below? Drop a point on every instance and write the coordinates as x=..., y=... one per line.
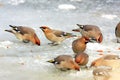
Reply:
x=26, y=41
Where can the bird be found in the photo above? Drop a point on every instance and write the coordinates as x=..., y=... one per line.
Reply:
x=97, y=62
x=102, y=73
x=79, y=45
x=64, y=63
x=91, y=31
x=111, y=57
x=117, y=32
x=82, y=59
x=55, y=36
x=25, y=34
x=110, y=60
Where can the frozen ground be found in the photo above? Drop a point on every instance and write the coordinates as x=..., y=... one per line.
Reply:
x=20, y=61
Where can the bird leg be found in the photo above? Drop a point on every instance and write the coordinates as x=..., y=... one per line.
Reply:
x=26, y=41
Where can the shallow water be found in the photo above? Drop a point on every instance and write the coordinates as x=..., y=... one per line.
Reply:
x=27, y=61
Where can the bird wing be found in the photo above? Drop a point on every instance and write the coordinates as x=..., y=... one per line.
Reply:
x=59, y=33
x=89, y=27
x=62, y=58
x=23, y=30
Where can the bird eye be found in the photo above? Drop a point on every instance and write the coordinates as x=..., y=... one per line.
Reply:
x=44, y=28
x=16, y=29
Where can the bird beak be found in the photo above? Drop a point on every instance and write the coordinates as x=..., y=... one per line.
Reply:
x=51, y=61
x=12, y=26
x=76, y=30
x=41, y=27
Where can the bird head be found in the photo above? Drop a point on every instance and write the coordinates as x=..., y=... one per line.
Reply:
x=45, y=28
x=73, y=65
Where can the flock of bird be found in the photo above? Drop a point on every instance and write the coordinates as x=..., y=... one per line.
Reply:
x=90, y=33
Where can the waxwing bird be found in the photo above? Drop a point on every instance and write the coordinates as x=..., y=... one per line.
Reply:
x=65, y=62
x=82, y=58
x=117, y=32
x=107, y=60
x=102, y=73
x=90, y=31
x=55, y=36
x=97, y=62
x=24, y=34
x=111, y=57
x=79, y=45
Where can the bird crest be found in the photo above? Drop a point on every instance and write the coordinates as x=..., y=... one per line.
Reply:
x=15, y=28
x=81, y=26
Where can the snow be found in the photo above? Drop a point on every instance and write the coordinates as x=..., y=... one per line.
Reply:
x=109, y=16
x=66, y=7
x=16, y=2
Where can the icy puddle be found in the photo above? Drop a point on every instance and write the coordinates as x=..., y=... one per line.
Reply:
x=29, y=61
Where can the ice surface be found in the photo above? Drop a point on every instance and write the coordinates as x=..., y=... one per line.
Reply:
x=109, y=16
x=66, y=6
x=21, y=61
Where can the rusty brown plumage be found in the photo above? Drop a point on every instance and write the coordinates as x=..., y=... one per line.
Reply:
x=107, y=60
x=55, y=36
x=90, y=31
x=65, y=62
x=24, y=34
x=79, y=45
x=81, y=58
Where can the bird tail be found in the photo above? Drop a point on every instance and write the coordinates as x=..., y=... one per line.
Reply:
x=37, y=41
